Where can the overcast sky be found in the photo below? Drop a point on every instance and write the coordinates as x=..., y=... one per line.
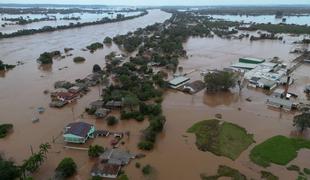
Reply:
x=161, y=2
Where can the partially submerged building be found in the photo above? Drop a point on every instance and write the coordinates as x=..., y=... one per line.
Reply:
x=248, y=63
x=276, y=102
x=110, y=162
x=113, y=104
x=178, y=82
x=102, y=112
x=194, y=87
x=78, y=132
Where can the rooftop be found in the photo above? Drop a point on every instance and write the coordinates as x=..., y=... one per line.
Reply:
x=116, y=156
x=78, y=128
x=178, y=80
x=244, y=65
x=251, y=59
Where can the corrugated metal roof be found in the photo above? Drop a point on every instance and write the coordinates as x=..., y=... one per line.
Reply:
x=244, y=65
x=78, y=128
x=178, y=80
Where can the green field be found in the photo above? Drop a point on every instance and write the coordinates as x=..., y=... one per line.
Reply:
x=221, y=138
x=278, y=150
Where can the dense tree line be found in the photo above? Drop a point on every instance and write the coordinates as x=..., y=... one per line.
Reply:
x=70, y=26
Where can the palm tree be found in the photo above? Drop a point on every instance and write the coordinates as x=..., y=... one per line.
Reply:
x=302, y=122
x=38, y=158
x=44, y=148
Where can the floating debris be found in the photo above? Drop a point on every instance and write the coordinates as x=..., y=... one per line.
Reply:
x=40, y=110
x=219, y=116
x=35, y=119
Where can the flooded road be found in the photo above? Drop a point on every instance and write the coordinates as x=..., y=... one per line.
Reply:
x=175, y=155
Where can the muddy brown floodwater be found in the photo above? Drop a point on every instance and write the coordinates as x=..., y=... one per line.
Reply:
x=175, y=156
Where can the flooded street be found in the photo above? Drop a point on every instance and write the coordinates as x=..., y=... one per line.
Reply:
x=175, y=155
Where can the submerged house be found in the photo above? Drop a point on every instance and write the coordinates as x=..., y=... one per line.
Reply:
x=105, y=170
x=78, y=132
x=194, y=87
x=96, y=104
x=110, y=163
x=66, y=96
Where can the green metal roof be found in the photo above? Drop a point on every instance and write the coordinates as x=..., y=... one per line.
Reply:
x=178, y=80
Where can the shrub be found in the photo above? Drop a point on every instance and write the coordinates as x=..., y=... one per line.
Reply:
x=79, y=59
x=138, y=165
x=111, y=120
x=66, y=167
x=4, y=129
x=146, y=170
x=146, y=145
x=95, y=46
x=107, y=40
x=307, y=171
x=95, y=151
x=96, y=68
x=293, y=168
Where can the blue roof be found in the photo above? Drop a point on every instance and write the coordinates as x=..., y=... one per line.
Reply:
x=78, y=128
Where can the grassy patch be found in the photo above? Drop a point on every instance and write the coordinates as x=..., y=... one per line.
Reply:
x=225, y=171
x=221, y=138
x=278, y=149
x=268, y=175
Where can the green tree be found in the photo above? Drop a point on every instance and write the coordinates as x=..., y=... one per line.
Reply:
x=95, y=151
x=220, y=80
x=96, y=68
x=146, y=170
x=66, y=167
x=131, y=101
x=107, y=40
x=112, y=120
x=302, y=122
x=8, y=169
x=44, y=148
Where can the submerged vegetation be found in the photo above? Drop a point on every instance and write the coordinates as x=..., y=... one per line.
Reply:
x=268, y=175
x=70, y=26
x=279, y=28
x=5, y=129
x=78, y=59
x=278, y=150
x=94, y=46
x=221, y=138
x=66, y=168
x=225, y=171
x=47, y=57
x=5, y=66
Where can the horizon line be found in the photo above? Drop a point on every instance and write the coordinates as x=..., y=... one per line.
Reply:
x=243, y=4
